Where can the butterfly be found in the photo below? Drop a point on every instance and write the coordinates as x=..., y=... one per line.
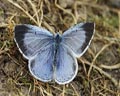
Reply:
x=53, y=56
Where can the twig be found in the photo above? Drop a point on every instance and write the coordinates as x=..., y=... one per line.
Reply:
x=19, y=7
x=97, y=57
x=115, y=82
x=58, y=6
x=35, y=11
x=115, y=66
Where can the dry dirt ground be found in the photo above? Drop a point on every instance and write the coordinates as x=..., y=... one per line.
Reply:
x=99, y=67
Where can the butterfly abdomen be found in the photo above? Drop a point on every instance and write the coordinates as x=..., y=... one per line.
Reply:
x=57, y=41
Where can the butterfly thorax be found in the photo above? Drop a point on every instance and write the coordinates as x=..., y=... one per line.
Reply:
x=58, y=40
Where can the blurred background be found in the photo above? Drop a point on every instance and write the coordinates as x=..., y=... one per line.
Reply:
x=99, y=67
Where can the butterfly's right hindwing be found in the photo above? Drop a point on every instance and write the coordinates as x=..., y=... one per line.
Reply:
x=41, y=67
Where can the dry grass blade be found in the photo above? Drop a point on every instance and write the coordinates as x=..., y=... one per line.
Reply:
x=41, y=10
x=19, y=7
x=3, y=25
x=115, y=82
x=119, y=22
x=58, y=6
x=104, y=47
x=76, y=93
x=35, y=11
x=114, y=66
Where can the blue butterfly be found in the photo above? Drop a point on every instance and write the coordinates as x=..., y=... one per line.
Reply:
x=53, y=56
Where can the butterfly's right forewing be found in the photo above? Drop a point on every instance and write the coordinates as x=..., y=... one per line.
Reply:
x=32, y=39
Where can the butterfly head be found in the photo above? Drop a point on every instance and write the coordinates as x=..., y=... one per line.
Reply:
x=58, y=38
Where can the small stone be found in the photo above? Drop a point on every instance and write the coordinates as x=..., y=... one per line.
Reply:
x=66, y=3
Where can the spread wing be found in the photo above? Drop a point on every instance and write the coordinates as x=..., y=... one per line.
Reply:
x=66, y=66
x=78, y=37
x=41, y=66
x=32, y=39
x=36, y=44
